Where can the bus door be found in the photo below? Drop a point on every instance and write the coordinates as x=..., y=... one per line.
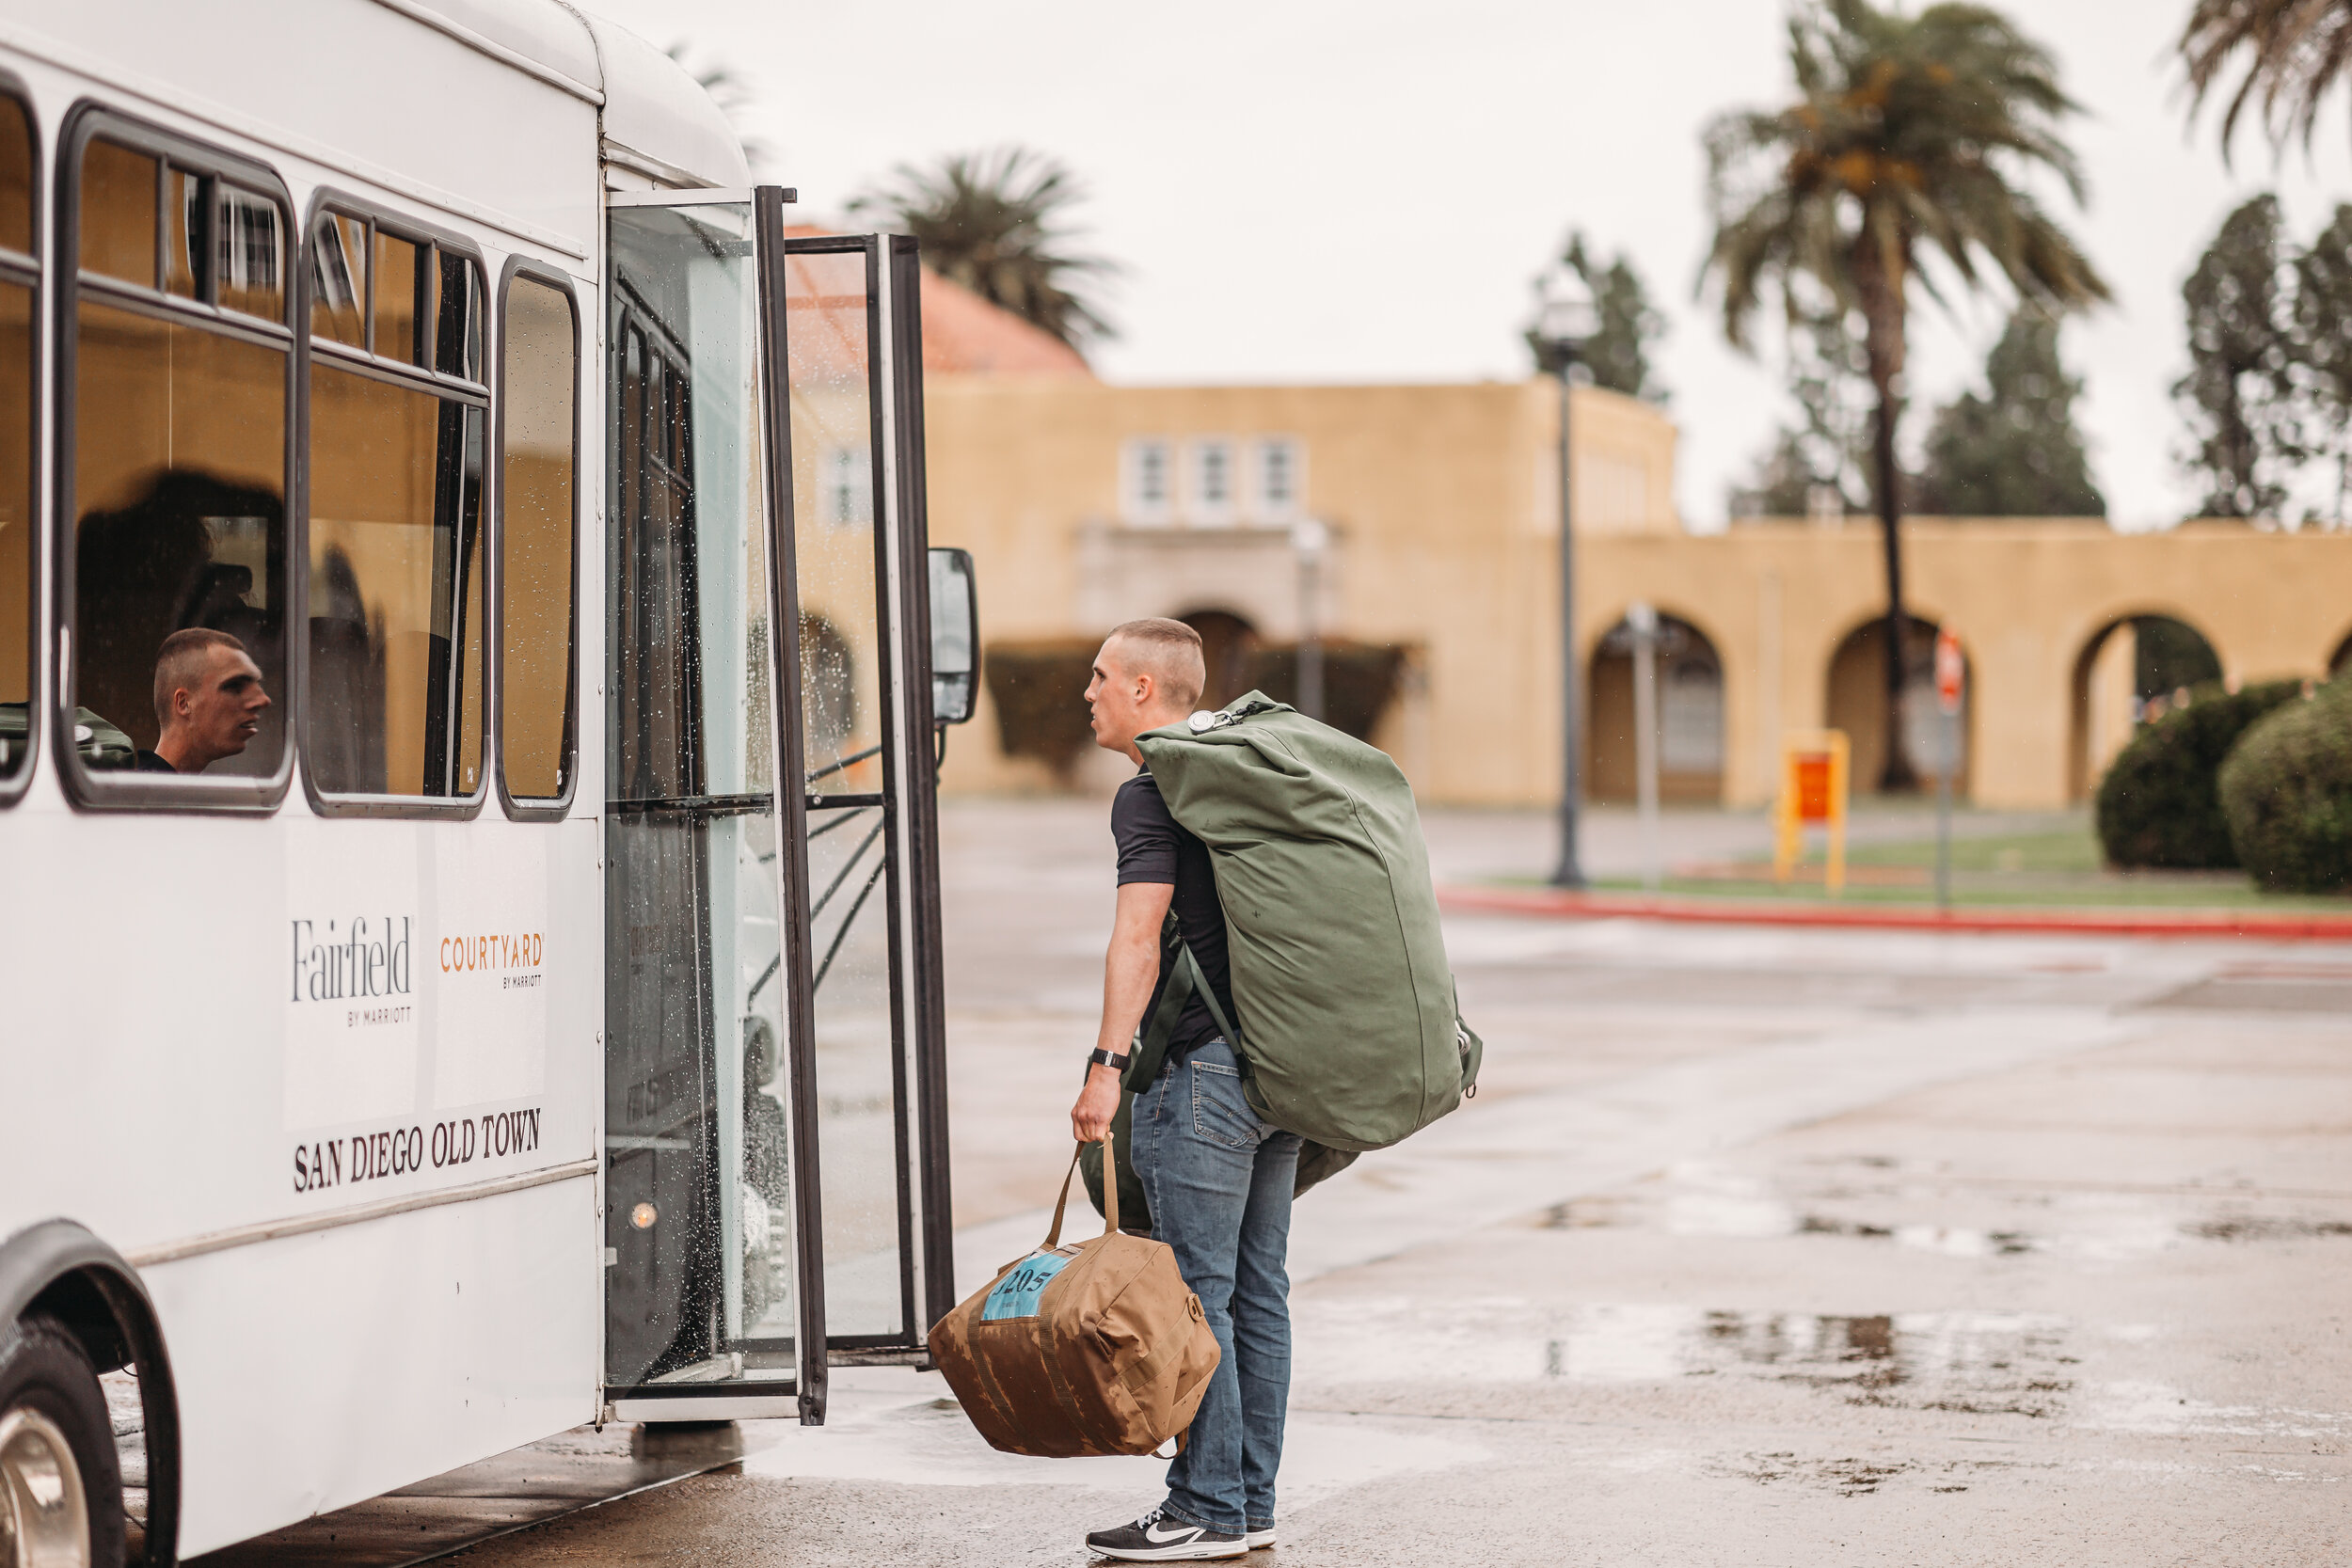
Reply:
x=775, y=1155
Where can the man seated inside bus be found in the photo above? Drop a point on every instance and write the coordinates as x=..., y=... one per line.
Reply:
x=209, y=701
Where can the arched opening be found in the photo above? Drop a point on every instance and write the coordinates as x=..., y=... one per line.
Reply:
x=1857, y=705
x=1690, y=716
x=1228, y=646
x=2127, y=669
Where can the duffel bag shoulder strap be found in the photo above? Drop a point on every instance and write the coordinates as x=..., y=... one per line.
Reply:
x=1188, y=967
x=1151, y=1035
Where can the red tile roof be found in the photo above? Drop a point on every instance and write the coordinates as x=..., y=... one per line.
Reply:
x=965, y=335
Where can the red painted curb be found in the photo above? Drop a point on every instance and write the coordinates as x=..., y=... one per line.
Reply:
x=2097, y=923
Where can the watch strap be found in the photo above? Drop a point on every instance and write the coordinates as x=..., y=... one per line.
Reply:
x=1115, y=1061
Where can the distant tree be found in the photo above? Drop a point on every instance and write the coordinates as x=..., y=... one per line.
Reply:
x=2323, y=317
x=1911, y=136
x=991, y=221
x=2240, y=394
x=736, y=98
x=2294, y=52
x=2015, y=451
x=1822, y=462
x=1618, y=352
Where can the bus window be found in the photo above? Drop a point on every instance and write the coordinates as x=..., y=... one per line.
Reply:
x=17, y=278
x=251, y=252
x=396, y=314
x=16, y=178
x=117, y=216
x=537, y=538
x=178, y=491
x=458, y=319
x=395, y=701
x=339, y=280
x=183, y=231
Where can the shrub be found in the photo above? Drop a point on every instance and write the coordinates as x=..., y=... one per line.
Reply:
x=1360, y=679
x=2287, y=791
x=1039, y=691
x=2159, y=804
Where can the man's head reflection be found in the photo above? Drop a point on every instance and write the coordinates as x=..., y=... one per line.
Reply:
x=208, y=701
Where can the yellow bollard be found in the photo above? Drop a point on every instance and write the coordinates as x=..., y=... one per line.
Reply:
x=1813, y=789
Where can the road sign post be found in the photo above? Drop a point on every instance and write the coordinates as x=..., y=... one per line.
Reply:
x=1950, y=676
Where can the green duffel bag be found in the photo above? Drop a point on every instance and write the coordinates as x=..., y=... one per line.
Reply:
x=1349, y=1035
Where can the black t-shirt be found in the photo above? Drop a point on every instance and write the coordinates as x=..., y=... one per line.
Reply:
x=1153, y=848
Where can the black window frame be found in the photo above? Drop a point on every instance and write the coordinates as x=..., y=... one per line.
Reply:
x=25, y=269
x=533, y=808
x=94, y=789
x=419, y=376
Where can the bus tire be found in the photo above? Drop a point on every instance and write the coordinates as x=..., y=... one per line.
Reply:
x=60, y=1482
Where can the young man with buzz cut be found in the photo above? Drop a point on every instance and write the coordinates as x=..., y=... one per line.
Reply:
x=1217, y=1179
x=209, y=701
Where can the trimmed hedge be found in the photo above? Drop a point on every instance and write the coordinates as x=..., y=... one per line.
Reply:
x=1360, y=679
x=1039, y=691
x=2287, y=791
x=2159, y=804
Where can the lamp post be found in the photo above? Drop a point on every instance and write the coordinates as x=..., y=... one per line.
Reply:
x=1564, y=321
x=1310, y=538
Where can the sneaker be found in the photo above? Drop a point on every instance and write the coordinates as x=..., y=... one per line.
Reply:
x=1258, y=1539
x=1157, y=1538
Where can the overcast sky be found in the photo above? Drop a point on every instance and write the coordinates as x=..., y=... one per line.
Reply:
x=1316, y=191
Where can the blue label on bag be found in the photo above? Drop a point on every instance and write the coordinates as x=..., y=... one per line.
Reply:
x=1016, y=1294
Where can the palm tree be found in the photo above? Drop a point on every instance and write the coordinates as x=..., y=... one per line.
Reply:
x=2297, y=50
x=1909, y=135
x=736, y=98
x=988, y=221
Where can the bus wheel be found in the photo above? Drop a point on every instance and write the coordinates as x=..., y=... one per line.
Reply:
x=60, y=1482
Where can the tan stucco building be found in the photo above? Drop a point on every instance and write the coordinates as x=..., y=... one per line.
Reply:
x=1086, y=504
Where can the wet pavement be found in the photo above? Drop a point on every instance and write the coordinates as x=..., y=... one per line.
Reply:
x=1758, y=1247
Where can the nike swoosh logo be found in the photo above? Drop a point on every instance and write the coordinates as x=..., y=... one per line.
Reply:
x=1182, y=1532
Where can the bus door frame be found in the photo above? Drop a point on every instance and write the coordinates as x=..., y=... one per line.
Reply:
x=804, y=1393
x=917, y=983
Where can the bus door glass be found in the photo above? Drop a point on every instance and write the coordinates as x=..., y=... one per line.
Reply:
x=854, y=340
x=710, y=1216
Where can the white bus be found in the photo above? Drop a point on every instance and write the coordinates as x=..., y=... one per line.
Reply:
x=469, y=670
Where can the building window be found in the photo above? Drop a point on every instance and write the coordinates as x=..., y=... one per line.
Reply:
x=849, y=494
x=1147, y=482
x=1281, y=467
x=1211, y=499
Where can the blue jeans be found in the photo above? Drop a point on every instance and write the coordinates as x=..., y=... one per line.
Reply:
x=1218, y=1181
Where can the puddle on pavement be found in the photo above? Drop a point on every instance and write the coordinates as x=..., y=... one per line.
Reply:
x=2255, y=1227
x=1856, y=1477
x=2156, y=1407
x=1699, y=1199
x=1975, y=1363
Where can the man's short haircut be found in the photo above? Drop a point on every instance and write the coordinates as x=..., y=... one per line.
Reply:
x=1169, y=652
x=179, y=664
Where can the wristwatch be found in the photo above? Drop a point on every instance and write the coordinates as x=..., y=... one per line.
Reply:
x=1110, y=1059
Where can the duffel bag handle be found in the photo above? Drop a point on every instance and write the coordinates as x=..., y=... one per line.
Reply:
x=1110, y=1193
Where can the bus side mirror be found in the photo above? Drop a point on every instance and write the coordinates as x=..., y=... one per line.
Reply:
x=955, y=637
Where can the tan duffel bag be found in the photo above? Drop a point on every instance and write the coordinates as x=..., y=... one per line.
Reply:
x=1094, y=1348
